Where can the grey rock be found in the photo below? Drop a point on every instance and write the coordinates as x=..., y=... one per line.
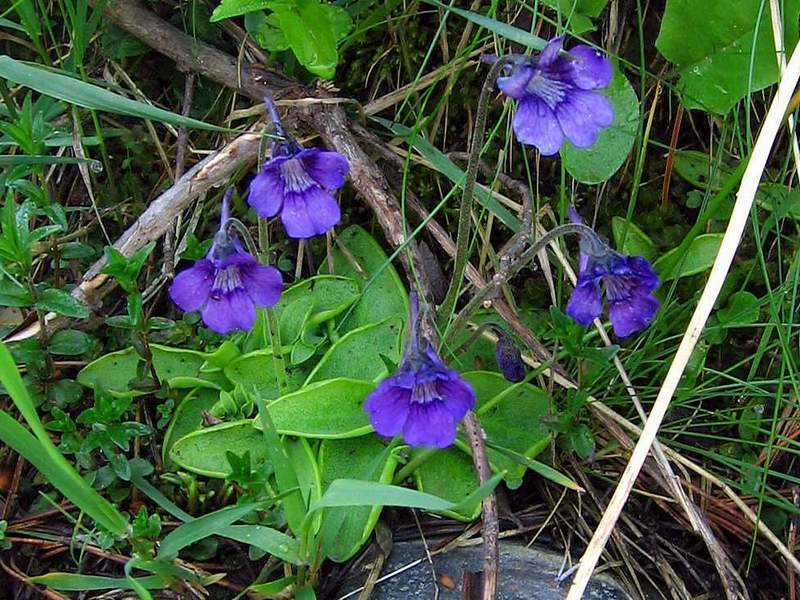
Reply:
x=525, y=574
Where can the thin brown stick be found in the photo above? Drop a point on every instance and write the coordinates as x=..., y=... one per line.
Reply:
x=673, y=143
x=334, y=127
x=182, y=144
x=191, y=54
x=491, y=527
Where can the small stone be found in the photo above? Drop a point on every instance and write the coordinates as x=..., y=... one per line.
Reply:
x=524, y=574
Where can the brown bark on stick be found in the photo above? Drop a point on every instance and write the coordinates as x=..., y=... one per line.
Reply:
x=191, y=54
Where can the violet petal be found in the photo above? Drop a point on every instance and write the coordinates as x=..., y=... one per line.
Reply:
x=430, y=425
x=388, y=408
x=191, y=287
x=536, y=125
x=229, y=311
x=328, y=169
x=267, y=190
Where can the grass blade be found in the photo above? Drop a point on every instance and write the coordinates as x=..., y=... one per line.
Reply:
x=353, y=492
x=504, y=30
x=39, y=450
x=449, y=169
x=215, y=523
x=88, y=95
x=74, y=582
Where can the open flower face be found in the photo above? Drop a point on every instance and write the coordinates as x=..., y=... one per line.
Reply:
x=227, y=285
x=627, y=281
x=297, y=183
x=557, y=98
x=424, y=400
x=298, y=186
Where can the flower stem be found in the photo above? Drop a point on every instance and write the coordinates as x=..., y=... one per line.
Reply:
x=273, y=328
x=277, y=350
x=465, y=210
x=263, y=238
x=412, y=465
x=502, y=277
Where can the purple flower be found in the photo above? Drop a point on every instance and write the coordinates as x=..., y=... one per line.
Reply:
x=423, y=400
x=555, y=97
x=297, y=183
x=226, y=285
x=628, y=281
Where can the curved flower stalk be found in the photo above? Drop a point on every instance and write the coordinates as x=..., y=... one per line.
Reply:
x=628, y=283
x=228, y=284
x=556, y=96
x=297, y=184
x=424, y=400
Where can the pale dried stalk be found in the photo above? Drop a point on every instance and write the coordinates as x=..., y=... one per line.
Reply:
x=732, y=582
x=213, y=171
x=716, y=279
x=780, y=56
x=602, y=410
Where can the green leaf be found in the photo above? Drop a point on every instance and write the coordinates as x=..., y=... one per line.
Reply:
x=12, y=294
x=513, y=419
x=265, y=31
x=599, y=162
x=714, y=43
x=273, y=588
x=578, y=12
x=781, y=200
x=203, y=451
x=345, y=530
x=215, y=523
x=87, y=95
x=61, y=302
x=125, y=269
x=256, y=371
x=294, y=507
x=328, y=409
x=310, y=35
x=637, y=242
x=582, y=441
x=188, y=417
x=235, y=8
x=267, y=540
x=312, y=302
x=742, y=309
x=43, y=455
x=700, y=169
x=509, y=32
x=303, y=459
x=487, y=385
x=539, y=468
x=358, y=353
x=70, y=342
x=450, y=474
x=352, y=492
x=382, y=291
x=75, y=582
x=698, y=257
x=113, y=372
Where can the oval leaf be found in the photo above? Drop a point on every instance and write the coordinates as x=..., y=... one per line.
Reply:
x=600, y=161
x=328, y=409
x=698, y=258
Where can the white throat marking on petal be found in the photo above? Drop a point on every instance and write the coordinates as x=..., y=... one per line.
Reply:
x=294, y=175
